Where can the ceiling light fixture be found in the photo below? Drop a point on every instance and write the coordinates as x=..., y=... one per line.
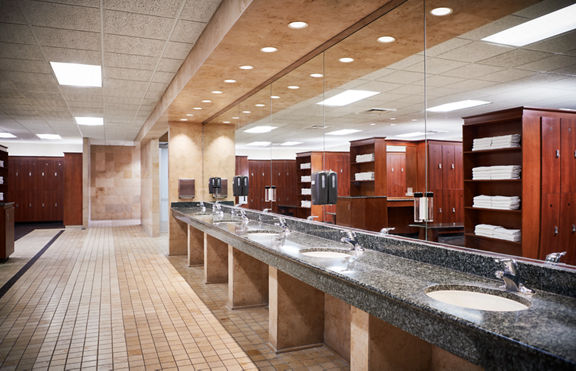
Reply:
x=260, y=105
x=246, y=67
x=260, y=129
x=7, y=135
x=440, y=12
x=293, y=87
x=392, y=118
x=268, y=49
x=290, y=143
x=49, y=136
x=206, y=101
x=197, y=108
x=274, y=97
x=386, y=39
x=410, y=135
x=259, y=144
x=343, y=132
x=454, y=106
x=372, y=124
x=229, y=81
x=183, y=119
x=346, y=60
x=297, y=25
x=347, y=97
x=316, y=75
x=89, y=121
x=75, y=74
x=189, y=114
x=247, y=112
x=225, y=122
x=551, y=24
x=235, y=117
x=216, y=92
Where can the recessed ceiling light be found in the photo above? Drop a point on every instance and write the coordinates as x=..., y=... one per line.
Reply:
x=225, y=122
x=551, y=24
x=372, y=124
x=189, y=114
x=393, y=124
x=260, y=129
x=316, y=75
x=235, y=117
x=386, y=39
x=297, y=25
x=392, y=118
x=246, y=67
x=183, y=119
x=197, y=108
x=206, y=101
x=274, y=97
x=290, y=143
x=49, y=136
x=216, y=92
x=75, y=74
x=413, y=120
x=347, y=97
x=89, y=121
x=229, y=81
x=293, y=87
x=246, y=112
x=260, y=105
x=259, y=144
x=7, y=135
x=343, y=132
x=410, y=135
x=346, y=60
x=268, y=49
x=440, y=12
x=449, y=107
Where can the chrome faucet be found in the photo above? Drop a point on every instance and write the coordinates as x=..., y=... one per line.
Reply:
x=555, y=257
x=282, y=224
x=266, y=211
x=245, y=219
x=386, y=230
x=312, y=217
x=511, y=278
x=217, y=210
x=201, y=204
x=350, y=239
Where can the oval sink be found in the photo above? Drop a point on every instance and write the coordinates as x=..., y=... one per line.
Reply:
x=479, y=299
x=327, y=253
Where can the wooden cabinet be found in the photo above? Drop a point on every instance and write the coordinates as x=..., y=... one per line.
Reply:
x=378, y=186
x=259, y=177
x=72, y=201
x=6, y=208
x=396, y=174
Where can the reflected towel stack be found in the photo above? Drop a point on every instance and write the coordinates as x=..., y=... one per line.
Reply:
x=496, y=172
x=502, y=141
x=497, y=202
x=306, y=204
x=365, y=158
x=305, y=166
x=306, y=191
x=368, y=175
x=480, y=144
x=306, y=179
x=494, y=231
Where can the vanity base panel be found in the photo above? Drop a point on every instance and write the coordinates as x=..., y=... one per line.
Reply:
x=195, y=246
x=215, y=260
x=247, y=280
x=337, y=325
x=177, y=243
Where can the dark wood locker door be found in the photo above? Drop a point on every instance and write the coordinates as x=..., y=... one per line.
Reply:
x=458, y=166
x=449, y=180
x=567, y=155
x=550, y=224
x=453, y=206
x=551, y=169
x=568, y=227
x=396, y=174
x=438, y=206
x=435, y=166
x=253, y=201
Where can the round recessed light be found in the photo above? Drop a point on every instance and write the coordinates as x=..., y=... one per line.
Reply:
x=372, y=124
x=216, y=92
x=235, y=117
x=297, y=25
x=316, y=75
x=183, y=119
x=197, y=108
x=414, y=120
x=225, y=122
x=274, y=97
x=269, y=49
x=392, y=118
x=247, y=112
x=230, y=81
x=189, y=114
x=206, y=101
x=393, y=124
x=293, y=87
x=246, y=67
x=346, y=60
x=440, y=12
x=260, y=105
x=386, y=39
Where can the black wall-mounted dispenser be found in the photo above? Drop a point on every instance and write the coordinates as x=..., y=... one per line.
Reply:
x=214, y=184
x=240, y=187
x=324, y=187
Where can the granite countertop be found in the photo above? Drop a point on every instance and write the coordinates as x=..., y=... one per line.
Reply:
x=394, y=288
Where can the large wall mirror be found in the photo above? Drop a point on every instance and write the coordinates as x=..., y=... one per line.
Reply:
x=409, y=107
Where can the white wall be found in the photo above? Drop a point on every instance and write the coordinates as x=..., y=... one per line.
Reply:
x=38, y=148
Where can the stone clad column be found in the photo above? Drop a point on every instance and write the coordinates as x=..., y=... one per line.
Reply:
x=195, y=246
x=247, y=280
x=215, y=260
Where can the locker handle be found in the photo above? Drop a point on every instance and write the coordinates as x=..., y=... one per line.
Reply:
x=42, y=204
x=440, y=210
x=30, y=174
x=555, y=230
x=452, y=166
x=439, y=165
x=392, y=169
x=42, y=173
x=575, y=153
x=454, y=210
x=557, y=153
x=573, y=228
x=55, y=204
x=402, y=169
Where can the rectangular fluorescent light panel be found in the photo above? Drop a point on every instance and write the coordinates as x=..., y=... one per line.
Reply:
x=75, y=74
x=347, y=97
x=290, y=143
x=551, y=24
x=343, y=132
x=49, y=136
x=454, y=106
x=259, y=144
x=260, y=129
x=89, y=121
x=410, y=135
x=7, y=135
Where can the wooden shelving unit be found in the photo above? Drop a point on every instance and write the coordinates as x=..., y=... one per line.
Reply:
x=378, y=186
x=6, y=209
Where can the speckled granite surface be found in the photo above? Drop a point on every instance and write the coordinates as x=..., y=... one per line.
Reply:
x=393, y=285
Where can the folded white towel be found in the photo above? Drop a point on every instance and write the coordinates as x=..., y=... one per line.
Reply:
x=306, y=191
x=501, y=141
x=306, y=165
x=305, y=178
x=365, y=158
x=367, y=175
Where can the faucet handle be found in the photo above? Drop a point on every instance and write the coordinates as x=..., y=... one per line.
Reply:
x=555, y=257
x=387, y=230
x=510, y=265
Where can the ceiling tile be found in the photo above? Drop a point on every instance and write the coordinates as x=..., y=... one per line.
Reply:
x=177, y=50
x=10, y=12
x=493, y=27
x=20, y=51
x=187, y=32
x=16, y=33
x=561, y=44
x=133, y=45
x=549, y=64
x=436, y=81
x=140, y=62
x=67, y=38
x=72, y=55
x=515, y=58
x=169, y=65
x=163, y=8
x=124, y=88
x=402, y=77
x=164, y=77
x=446, y=46
x=89, y=3
x=139, y=25
x=126, y=74
x=435, y=66
x=62, y=16
x=474, y=52
x=199, y=10
x=23, y=65
x=473, y=71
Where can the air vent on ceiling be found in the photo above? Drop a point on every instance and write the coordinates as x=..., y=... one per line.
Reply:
x=377, y=109
x=318, y=126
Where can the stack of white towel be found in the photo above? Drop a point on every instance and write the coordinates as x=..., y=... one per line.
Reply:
x=502, y=141
x=367, y=175
x=305, y=165
x=307, y=204
x=496, y=172
x=306, y=191
x=494, y=231
x=365, y=158
x=306, y=179
x=497, y=202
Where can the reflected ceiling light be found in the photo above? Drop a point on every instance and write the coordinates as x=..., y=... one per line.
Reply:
x=293, y=87
x=189, y=114
x=316, y=75
x=229, y=81
x=49, y=136
x=297, y=25
x=346, y=60
x=414, y=120
x=246, y=67
x=347, y=97
x=206, y=101
x=225, y=122
x=274, y=97
x=7, y=135
x=393, y=124
x=372, y=124
x=392, y=118
x=89, y=121
x=260, y=105
x=75, y=74
x=216, y=92
x=290, y=143
x=246, y=112
x=260, y=129
x=183, y=119
x=235, y=117
x=386, y=39
x=259, y=144
x=410, y=135
x=197, y=108
x=567, y=109
x=551, y=24
x=343, y=132
x=440, y=12
x=268, y=49
x=449, y=107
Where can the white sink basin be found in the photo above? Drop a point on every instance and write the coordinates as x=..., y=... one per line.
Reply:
x=326, y=253
x=477, y=300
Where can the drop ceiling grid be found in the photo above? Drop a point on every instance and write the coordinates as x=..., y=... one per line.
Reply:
x=142, y=45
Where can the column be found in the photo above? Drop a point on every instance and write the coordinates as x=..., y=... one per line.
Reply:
x=247, y=280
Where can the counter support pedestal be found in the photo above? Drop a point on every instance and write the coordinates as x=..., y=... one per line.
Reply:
x=195, y=246
x=247, y=280
x=215, y=260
